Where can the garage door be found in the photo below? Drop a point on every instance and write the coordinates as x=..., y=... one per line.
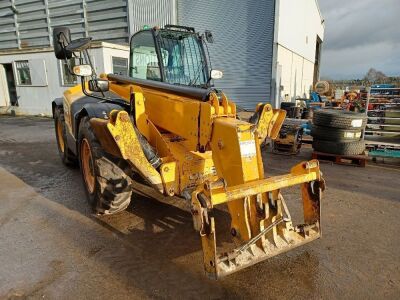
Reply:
x=243, y=44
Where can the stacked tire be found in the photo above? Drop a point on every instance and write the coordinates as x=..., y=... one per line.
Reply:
x=338, y=132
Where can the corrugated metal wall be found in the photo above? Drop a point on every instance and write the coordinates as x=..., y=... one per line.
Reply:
x=243, y=31
x=29, y=23
x=152, y=13
x=8, y=31
x=68, y=13
x=108, y=20
x=243, y=44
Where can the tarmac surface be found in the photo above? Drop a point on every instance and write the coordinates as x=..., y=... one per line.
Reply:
x=53, y=247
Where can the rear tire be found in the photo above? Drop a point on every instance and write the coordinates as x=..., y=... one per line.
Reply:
x=65, y=153
x=108, y=187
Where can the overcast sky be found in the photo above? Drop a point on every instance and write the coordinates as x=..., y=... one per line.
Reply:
x=360, y=34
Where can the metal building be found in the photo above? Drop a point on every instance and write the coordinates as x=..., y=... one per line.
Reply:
x=243, y=32
x=268, y=50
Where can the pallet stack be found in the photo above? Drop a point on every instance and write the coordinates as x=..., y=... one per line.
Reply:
x=338, y=136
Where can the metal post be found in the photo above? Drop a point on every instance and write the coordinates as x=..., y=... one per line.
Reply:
x=16, y=23
x=46, y=5
x=85, y=18
x=368, y=98
x=366, y=109
x=131, y=21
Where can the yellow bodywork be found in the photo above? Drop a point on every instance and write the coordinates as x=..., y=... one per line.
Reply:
x=211, y=158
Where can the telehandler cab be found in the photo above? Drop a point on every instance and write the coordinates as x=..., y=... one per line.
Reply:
x=168, y=124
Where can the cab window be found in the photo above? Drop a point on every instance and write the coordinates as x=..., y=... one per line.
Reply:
x=144, y=62
x=183, y=60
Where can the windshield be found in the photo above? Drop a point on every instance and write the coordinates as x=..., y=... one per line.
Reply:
x=183, y=58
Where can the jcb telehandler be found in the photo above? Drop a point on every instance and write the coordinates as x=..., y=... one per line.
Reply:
x=168, y=124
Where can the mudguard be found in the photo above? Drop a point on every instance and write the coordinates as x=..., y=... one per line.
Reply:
x=94, y=110
x=57, y=102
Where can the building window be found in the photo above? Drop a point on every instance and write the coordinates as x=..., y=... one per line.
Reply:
x=120, y=66
x=67, y=77
x=23, y=72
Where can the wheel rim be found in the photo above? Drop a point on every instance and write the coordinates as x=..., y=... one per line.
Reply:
x=87, y=165
x=60, y=136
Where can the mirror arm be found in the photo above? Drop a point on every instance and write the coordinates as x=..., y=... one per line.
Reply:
x=68, y=66
x=89, y=60
x=83, y=84
x=104, y=99
x=94, y=75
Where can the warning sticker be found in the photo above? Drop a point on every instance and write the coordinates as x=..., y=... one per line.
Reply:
x=248, y=148
x=352, y=135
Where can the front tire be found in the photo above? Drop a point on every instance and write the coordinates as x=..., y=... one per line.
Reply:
x=107, y=187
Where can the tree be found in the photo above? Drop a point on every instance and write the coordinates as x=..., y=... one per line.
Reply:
x=375, y=76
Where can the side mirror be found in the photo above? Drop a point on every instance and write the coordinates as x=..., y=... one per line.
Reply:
x=216, y=74
x=99, y=85
x=61, y=38
x=209, y=36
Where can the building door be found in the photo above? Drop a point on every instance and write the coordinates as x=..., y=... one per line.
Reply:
x=4, y=94
x=317, y=60
x=8, y=91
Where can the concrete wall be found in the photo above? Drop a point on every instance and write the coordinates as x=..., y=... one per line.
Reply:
x=35, y=100
x=298, y=24
x=111, y=51
x=297, y=74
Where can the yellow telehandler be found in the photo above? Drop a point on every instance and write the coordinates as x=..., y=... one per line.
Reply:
x=167, y=123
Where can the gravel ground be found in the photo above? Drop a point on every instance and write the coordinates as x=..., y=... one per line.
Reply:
x=51, y=246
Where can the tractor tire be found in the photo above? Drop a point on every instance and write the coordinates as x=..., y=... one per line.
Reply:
x=335, y=134
x=339, y=119
x=344, y=148
x=108, y=187
x=65, y=153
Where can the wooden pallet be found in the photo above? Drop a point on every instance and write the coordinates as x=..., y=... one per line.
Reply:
x=307, y=139
x=350, y=160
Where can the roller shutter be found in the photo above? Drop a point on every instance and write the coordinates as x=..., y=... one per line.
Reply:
x=243, y=44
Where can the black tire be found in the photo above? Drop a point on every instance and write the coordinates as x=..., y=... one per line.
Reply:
x=335, y=134
x=344, y=148
x=339, y=119
x=112, y=186
x=66, y=155
x=307, y=114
